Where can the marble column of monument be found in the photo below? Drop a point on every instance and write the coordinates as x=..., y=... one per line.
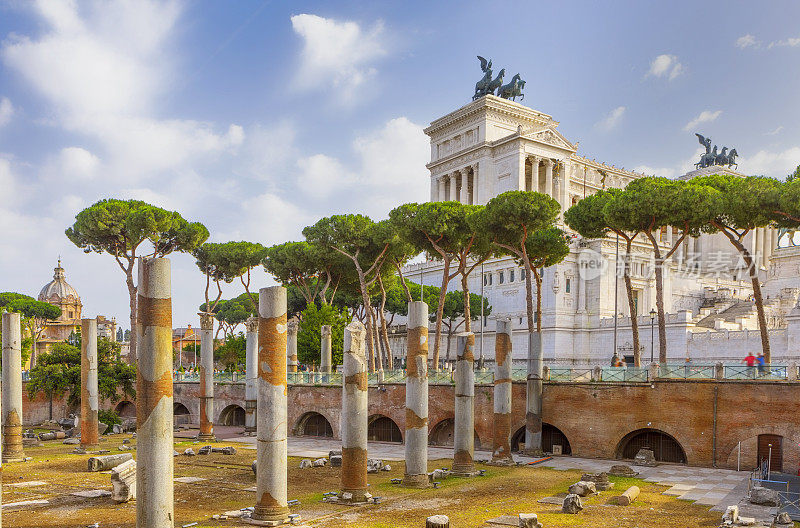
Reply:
x=251, y=375
x=325, y=358
x=453, y=188
x=548, y=177
x=154, y=441
x=535, y=163
x=501, y=450
x=354, y=415
x=291, y=344
x=12, y=389
x=416, y=474
x=464, y=198
x=442, y=196
x=464, y=428
x=89, y=392
x=206, y=377
x=271, y=469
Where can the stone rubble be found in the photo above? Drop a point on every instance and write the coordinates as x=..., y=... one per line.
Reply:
x=305, y=463
x=320, y=462
x=627, y=497
x=601, y=482
x=102, y=463
x=583, y=489
x=572, y=504
x=123, y=481
x=529, y=520
x=764, y=496
x=621, y=470
x=645, y=457
x=782, y=520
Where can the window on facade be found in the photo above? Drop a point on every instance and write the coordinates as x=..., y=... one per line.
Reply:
x=502, y=277
x=522, y=274
x=487, y=279
x=511, y=275
x=70, y=315
x=566, y=286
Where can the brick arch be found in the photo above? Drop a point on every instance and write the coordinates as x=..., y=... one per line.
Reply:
x=378, y=427
x=297, y=430
x=727, y=453
x=623, y=444
x=441, y=434
x=680, y=436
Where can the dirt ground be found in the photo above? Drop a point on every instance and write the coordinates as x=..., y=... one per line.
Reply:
x=229, y=480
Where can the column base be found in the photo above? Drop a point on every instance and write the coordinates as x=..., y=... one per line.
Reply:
x=532, y=452
x=350, y=498
x=249, y=429
x=88, y=447
x=14, y=458
x=420, y=481
x=207, y=437
x=501, y=462
x=466, y=470
x=277, y=516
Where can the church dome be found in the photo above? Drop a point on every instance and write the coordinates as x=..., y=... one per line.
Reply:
x=59, y=290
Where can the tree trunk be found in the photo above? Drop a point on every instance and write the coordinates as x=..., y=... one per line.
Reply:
x=384, y=328
x=132, y=297
x=637, y=352
x=440, y=312
x=378, y=347
x=538, y=279
x=403, y=282
x=467, y=311
x=662, y=319
x=367, y=313
x=759, y=299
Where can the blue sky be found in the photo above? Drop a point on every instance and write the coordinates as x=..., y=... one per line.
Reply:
x=257, y=118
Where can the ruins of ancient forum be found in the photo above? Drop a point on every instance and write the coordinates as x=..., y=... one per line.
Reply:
x=514, y=421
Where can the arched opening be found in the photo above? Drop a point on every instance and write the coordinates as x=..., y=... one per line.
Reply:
x=442, y=434
x=770, y=447
x=551, y=436
x=664, y=447
x=314, y=424
x=126, y=409
x=232, y=415
x=180, y=414
x=383, y=429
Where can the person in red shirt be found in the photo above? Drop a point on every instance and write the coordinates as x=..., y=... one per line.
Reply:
x=750, y=360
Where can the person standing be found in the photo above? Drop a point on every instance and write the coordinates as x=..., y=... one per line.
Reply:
x=761, y=364
x=750, y=361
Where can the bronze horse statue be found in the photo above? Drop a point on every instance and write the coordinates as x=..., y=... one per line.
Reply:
x=496, y=83
x=482, y=85
x=513, y=89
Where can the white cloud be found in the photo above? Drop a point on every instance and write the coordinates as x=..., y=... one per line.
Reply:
x=774, y=132
x=770, y=163
x=789, y=42
x=747, y=41
x=76, y=163
x=6, y=111
x=706, y=116
x=665, y=66
x=336, y=51
x=612, y=120
x=321, y=175
x=665, y=172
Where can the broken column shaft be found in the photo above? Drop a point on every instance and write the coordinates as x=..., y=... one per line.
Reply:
x=533, y=396
x=354, y=415
x=89, y=399
x=325, y=350
x=251, y=375
x=291, y=344
x=501, y=450
x=12, y=389
x=154, y=449
x=206, y=377
x=464, y=430
x=271, y=471
x=416, y=474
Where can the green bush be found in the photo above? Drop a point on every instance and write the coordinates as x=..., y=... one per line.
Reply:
x=308, y=334
x=110, y=418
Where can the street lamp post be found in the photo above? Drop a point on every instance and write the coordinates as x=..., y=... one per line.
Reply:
x=652, y=332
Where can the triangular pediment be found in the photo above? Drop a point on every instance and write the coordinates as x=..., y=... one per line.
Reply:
x=551, y=136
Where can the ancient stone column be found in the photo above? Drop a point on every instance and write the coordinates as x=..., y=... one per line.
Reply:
x=535, y=162
x=501, y=451
x=12, y=389
x=464, y=429
x=442, y=189
x=354, y=415
x=291, y=344
x=453, y=188
x=206, y=377
x=533, y=396
x=325, y=359
x=464, y=198
x=548, y=177
x=89, y=395
x=271, y=472
x=417, y=396
x=251, y=375
x=154, y=486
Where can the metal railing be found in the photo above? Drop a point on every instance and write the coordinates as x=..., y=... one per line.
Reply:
x=759, y=372
x=570, y=374
x=685, y=371
x=630, y=374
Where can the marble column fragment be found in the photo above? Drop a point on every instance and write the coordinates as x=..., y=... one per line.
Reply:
x=206, y=377
x=271, y=470
x=464, y=430
x=12, y=389
x=416, y=474
x=354, y=415
x=154, y=441
x=501, y=450
x=325, y=358
x=291, y=344
x=251, y=375
x=533, y=396
x=89, y=394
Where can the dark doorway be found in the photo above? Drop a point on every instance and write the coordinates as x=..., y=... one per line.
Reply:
x=551, y=436
x=383, y=429
x=180, y=414
x=442, y=434
x=126, y=409
x=775, y=443
x=314, y=424
x=665, y=448
x=232, y=415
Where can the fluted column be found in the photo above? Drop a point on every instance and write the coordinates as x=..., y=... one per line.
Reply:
x=271, y=470
x=442, y=189
x=453, y=187
x=89, y=396
x=291, y=344
x=154, y=442
x=566, y=169
x=464, y=428
x=548, y=177
x=416, y=474
x=206, y=377
x=464, y=198
x=501, y=451
x=12, y=389
x=354, y=415
x=475, y=193
x=535, y=162
x=251, y=375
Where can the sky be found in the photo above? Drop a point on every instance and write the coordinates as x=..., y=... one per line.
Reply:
x=257, y=118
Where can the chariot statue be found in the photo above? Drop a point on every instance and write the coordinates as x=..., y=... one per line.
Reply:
x=712, y=157
x=513, y=89
x=488, y=85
